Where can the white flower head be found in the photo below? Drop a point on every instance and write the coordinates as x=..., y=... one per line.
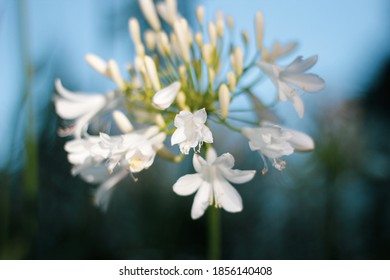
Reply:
x=212, y=183
x=191, y=130
x=288, y=78
x=274, y=142
x=165, y=97
x=79, y=107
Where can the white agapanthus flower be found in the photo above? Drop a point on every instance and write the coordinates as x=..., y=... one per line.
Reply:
x=211, y=182
x=191, y=130
x=165, y=97
x=79, y=107
x=288, y=78
x=135, y=150
x=274, y=142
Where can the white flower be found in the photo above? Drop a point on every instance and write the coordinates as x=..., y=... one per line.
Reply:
x=165, y=97
x=274, y=142
x=88, y=162
x=288, y=78
x=135, y=150
x=168, y=10
x=79, y=107
x=212, y=183
x=191, y=130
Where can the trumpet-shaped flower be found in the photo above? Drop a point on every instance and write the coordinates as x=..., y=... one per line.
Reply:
x=79, y=107
x=165, y=97
x=212, y=183
x=135, y=150
x=191, y=130
x=288, y=78
x=274, y=142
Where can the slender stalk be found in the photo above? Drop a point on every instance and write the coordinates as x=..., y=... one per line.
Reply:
x=214, y=233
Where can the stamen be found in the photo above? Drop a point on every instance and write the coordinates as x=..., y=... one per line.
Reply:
x=265, y=168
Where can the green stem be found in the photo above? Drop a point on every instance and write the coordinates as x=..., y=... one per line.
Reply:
x=214, y=233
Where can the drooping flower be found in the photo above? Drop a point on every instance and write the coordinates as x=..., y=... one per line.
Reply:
x=211, y=182
x=79, y=107
x=287, y=79
x=191, y=130
x=86, y=156
x=274, y=142
x=165, y=97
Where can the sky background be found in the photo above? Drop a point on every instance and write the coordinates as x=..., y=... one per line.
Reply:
x=351, y=38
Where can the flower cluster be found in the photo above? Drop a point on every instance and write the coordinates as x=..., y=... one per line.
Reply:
x=179, y=82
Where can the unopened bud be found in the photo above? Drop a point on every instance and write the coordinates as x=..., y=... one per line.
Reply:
x=97, y=63
x=150, y=14
x=232, y=81
x=259, y=23
x=115, y=74
x=200, y=14
x=224, y=100
x=122, y=122
x=150, y=39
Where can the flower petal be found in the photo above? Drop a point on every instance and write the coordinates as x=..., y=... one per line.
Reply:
x=200, y=116
x=198, y=163
x=187, y=184
x=298, y=105
x=201, y=200
x=237, y=176
x=227, y=195
x=165, y=97
x=301, y=141
x=207, y=136
x=181, y=117
x=307, y=82
x=300, y=65
x=211, y=155
x=178, y=136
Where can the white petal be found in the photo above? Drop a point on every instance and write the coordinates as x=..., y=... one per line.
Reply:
x=95, y=174
x=228, y=196
x=178, y=136
x=300, y=65
x=269, y=70
x=200, y=116
x=211, y=155
x=188, y=184
x=201, y=200
x=238, y=176
x=226, y=160
x=207, y=136
x=298, y=105
x=165, y=97
x=307, y=82
x=198, y=163
x=301, y=141
x=181, y=117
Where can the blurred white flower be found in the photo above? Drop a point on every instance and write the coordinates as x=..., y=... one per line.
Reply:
x=284, y=78
x=191, y=130
x=135, y=150
x=79, y=107
x=274, y=142
x=165, y=97
x=212, y=183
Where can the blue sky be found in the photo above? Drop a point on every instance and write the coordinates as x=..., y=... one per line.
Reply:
x=351, y=38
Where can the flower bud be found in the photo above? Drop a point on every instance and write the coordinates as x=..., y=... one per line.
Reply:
x=232, y=81
x=97, y=63
x=230, y=22
x=150, y=39
x=134, y=30
x=259, y=23
x=213, y=34
x=165, y=97
x=224, y=100
x=182, y=38
x=236, y=59
x=150, y=14
x=200, y=14
x=122, y=122
x=199, y=39
x=220, y=23
x=152, y=72
x=208, y=54
x=115, y=74
x=211, y=76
